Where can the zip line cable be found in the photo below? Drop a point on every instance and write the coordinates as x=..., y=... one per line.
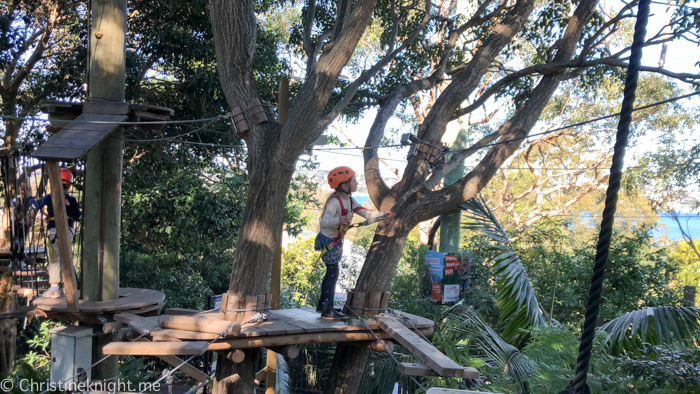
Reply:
x=220, y=117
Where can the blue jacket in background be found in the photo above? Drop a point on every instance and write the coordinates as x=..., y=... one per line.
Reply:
x=72, y=209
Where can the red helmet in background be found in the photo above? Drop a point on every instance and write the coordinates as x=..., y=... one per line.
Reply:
x=66, y=175
x=339, y=175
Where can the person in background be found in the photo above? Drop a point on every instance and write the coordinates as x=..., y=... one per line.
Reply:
x=337, y=216
x=74, y=213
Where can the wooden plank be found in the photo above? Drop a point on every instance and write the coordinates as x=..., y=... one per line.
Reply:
x=181, y=311
x=412, y=369
x=105, y=108
x=155, y=348
x=129, y=298
x=373, y=303
x=224, y=306
x=305, y=324
x=251, y=302
x=200, y=324
x=273, y=326
x=425, y=351
x=260, y=375
x=166, y=334
x=358, y=304
x=63, y=236
x=261, y=302
x=299, y=339
x=144, y=325
x=78, y=137
x=385, y=301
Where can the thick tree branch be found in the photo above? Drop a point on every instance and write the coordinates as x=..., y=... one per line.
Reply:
x=513, y=132
x=314, y=94
x=367, y=74
x=235, y=31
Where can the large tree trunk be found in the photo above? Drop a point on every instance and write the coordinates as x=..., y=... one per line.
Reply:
x=270, y=172
x=379, y=268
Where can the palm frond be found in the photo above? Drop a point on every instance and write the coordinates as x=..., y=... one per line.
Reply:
x=497, y=351
x=517, y=300
x=282, y=375
x=656, y=326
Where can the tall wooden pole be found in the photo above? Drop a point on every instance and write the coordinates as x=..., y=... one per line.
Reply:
x=276, y=274
x=104, y=165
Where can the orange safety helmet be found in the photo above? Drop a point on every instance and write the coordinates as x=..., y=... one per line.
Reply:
x=66, y=175
x=339, y=175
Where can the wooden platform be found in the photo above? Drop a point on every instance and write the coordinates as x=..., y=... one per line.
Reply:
x=134, y=301
x=290, y=327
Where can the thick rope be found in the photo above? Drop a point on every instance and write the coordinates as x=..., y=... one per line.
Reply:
x=601, y=259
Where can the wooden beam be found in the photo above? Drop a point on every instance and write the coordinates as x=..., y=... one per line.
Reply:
x=412, y=369
x=201, y=324
x=260, y=375
x=155, y=348
x=63, y=236
x=430, y=355
x=301, y=339
x=236, y=355
x=289, y=351
x=381, y=346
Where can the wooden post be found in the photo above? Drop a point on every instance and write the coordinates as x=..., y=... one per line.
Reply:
x=102, y=224
x=63, y=236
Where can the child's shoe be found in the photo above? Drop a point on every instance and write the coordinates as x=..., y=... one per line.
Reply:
x=53, y=292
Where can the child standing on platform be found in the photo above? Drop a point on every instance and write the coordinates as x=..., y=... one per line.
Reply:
x=337, y=216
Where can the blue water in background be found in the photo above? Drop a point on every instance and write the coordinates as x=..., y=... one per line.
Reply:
x=668, y=226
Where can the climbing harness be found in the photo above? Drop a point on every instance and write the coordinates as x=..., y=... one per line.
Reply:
x=578, y=385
